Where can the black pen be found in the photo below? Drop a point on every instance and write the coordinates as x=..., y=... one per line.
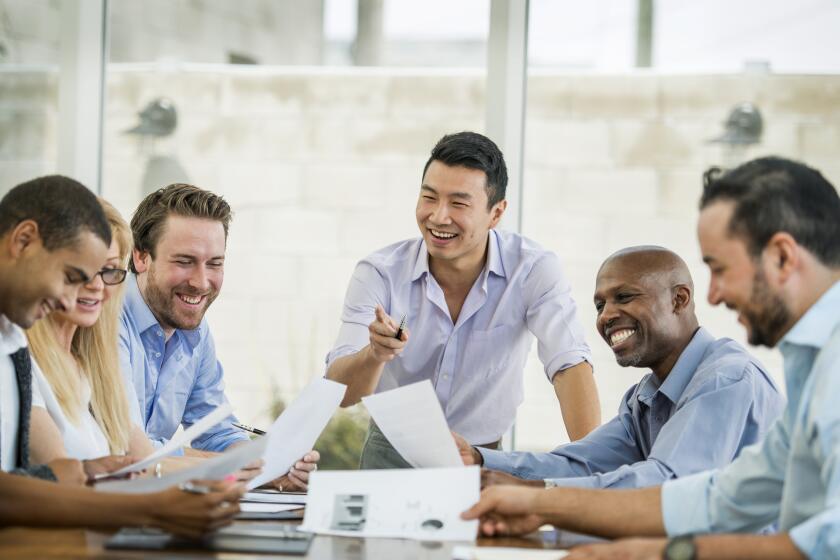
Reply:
x=398, y=336
x=249, y=429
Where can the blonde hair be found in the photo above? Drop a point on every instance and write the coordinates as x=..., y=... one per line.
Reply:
x=94, y=354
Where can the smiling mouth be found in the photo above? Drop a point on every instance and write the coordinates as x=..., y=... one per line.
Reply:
x=190, y=300
x=619, y=336
x=442, y=235
x=84, y=302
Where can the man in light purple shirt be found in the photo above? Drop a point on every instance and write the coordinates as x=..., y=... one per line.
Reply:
x=472, y=297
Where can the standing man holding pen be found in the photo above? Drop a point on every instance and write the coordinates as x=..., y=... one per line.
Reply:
x=472, y=295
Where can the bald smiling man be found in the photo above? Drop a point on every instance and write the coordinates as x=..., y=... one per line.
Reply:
x=702, y=402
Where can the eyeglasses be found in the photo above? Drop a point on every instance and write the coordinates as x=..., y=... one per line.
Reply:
x=112, y=276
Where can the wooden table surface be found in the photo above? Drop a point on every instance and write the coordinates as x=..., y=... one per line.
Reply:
x=76, y=543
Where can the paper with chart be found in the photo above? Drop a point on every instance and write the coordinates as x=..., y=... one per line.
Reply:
x=179, y=440
x=423, y=504
x=412, y=420
x=216, y=468
x=296, y=429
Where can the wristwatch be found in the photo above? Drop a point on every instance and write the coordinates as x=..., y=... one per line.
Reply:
x=680, y=548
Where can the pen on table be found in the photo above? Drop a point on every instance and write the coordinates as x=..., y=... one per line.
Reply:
x=400, y=330
x=249, y=428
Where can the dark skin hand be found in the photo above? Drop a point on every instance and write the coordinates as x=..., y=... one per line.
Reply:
x=194, y=515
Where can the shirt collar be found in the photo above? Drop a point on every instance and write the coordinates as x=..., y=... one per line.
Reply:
x=814, y=328
x=494, y=258
x=143, y=316
x=12, y=338
x=681, y=374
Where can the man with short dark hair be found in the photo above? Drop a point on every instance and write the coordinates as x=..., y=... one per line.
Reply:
x=703, y=401
x=54, y=237
x=166, y=348
x=472, y=293
x=769, y=232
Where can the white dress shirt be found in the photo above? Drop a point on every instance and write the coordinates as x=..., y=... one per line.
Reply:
x=12, y=339
x=476, y=363
x=82, y=440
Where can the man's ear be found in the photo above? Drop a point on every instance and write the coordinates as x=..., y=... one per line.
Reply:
x=781, y=255
x=23, y=235
x=681, y=296
x=497, y=212
x=141, y=260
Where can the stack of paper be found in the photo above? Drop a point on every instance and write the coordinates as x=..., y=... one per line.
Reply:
x=412, y=420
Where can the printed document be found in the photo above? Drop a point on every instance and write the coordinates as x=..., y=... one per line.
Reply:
x=422, y=504
x=412, y=420
x=179, y=440
x=296, y=429
x=216, y=468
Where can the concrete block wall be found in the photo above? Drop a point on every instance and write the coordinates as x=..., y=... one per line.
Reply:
x=322, y=168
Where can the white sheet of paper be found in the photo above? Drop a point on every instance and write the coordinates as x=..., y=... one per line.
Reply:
x=274, y=498
x=250, y=507
x=413, y=421
x=296, y=429
x=423, y=504
x=216, y=468
x=505, y=553
x=180, y=440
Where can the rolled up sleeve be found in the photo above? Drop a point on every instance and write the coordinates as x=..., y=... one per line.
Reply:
x=551, y=315
x=366, y=290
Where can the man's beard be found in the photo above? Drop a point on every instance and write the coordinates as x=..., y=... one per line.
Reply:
x=160, y=303
x=767, y=315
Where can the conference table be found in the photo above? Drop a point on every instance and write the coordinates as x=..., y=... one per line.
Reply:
x=75, y=543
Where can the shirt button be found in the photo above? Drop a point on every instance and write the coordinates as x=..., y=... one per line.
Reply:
x=446, y=376
x=157, y=354
x=159, y=333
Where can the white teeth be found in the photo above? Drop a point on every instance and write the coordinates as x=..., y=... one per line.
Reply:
x=191, y=299
x=443, y=234
x=88, y=301
x=620, y=336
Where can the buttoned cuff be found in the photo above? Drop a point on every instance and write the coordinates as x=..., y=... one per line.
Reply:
x=685, y=504
x=494, y=459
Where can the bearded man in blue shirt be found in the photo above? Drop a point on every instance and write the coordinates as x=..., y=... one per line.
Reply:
x=703, y=401
x=769, y=231
x=166, y=347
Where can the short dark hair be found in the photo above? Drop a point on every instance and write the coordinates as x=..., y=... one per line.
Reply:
x=774, y=194
x=475, y=151
x=179, y=199
x=62, y=207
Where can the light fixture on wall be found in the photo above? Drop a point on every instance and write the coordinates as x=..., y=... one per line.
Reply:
x=159, y=118
x=743, y=126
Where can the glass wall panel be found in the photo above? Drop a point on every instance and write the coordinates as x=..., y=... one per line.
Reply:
x=614, y=155
x=321, y=164
x=29, y=59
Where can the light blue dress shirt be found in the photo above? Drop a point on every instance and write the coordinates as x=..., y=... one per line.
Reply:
x=174, y=382
x=794, y=474
x=476, y=363
x=716, y=400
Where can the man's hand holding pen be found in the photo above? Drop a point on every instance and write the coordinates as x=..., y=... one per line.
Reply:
x=384, y=344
